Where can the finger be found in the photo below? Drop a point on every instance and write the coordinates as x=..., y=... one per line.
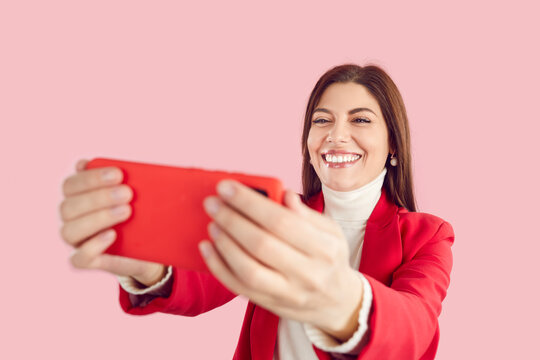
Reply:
x=290, y=303
x=77, y=205
x=81, y=164
x=220, y=269
x=120, y=265
x=255, y=275
x=84, y=255
x=287, y=259
x=90, y=256
x=75, y=231
x=91, y=179
x=249, y=271
x=277, y=219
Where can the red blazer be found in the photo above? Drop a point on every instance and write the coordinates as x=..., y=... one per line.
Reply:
x=406, y=258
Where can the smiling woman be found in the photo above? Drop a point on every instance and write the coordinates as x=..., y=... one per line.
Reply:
x=348, y=269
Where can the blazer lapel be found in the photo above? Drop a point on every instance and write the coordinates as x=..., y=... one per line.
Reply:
x=382, y=236
x=382, y=249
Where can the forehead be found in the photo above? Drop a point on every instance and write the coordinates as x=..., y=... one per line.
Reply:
x=341, y=97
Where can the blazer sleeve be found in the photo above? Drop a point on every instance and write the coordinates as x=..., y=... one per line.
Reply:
x=404, y=319
x=192, y=293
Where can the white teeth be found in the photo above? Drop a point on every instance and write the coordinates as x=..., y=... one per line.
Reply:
x=341, y=158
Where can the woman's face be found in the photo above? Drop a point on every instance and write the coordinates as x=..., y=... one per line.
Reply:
x=347, y=125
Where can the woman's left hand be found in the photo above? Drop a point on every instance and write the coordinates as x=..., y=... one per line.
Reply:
x=289, y=259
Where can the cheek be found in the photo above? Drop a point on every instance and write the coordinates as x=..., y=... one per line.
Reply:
x=372, y=143
x=312, y=144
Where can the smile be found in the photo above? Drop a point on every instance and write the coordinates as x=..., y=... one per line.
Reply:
x=340, y=161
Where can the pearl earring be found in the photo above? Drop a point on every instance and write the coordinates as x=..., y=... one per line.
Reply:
x=393, y=161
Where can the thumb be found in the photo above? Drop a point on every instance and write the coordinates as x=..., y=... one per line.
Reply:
x=81, y=164
x=324, y=223
x=293, y=202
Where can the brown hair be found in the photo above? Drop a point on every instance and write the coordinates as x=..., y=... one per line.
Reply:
x=398, y=181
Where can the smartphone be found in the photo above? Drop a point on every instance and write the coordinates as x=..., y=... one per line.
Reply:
x=168, y=219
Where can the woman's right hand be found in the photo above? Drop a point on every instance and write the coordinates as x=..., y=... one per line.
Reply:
x=95, y=200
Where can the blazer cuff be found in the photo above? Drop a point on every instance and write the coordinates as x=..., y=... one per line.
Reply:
x=134, y=287
x=328, y=343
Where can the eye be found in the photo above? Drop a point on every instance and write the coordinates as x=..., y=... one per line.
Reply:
x=361, y=120
x=319, y=121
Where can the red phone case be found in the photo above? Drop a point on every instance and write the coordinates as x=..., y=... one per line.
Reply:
x=168, y=219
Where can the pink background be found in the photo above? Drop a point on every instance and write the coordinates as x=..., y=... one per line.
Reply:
x=223, y=85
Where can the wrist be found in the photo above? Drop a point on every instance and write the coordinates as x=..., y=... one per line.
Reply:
x=153, y=277
x=344, y=326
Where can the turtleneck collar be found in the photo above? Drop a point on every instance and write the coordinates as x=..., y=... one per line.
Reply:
x=354, y=205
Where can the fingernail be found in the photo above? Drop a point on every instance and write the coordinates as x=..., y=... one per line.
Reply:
x=110, y=175
x=214, y=231
x=120, y=210
x=204, y=248
x=225, y=189
x=120, y=193
x=107, y=236
x=211, y=205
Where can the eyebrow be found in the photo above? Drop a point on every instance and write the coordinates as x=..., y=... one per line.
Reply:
x=353, y=111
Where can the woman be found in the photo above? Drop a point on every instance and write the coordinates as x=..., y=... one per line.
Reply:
x=365, y=279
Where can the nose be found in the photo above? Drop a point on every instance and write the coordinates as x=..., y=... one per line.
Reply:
x=339, y=132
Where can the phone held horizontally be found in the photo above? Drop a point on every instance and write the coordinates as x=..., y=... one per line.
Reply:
x=168, y=219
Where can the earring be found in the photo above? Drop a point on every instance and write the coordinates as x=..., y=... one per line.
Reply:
x=393, y=160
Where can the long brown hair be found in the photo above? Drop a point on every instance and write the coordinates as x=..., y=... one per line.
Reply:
x=398, y=181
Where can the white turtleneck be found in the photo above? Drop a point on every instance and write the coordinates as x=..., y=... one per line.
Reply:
x=351, y=210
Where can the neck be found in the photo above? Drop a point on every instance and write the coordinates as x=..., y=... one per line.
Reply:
x=353, y=205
